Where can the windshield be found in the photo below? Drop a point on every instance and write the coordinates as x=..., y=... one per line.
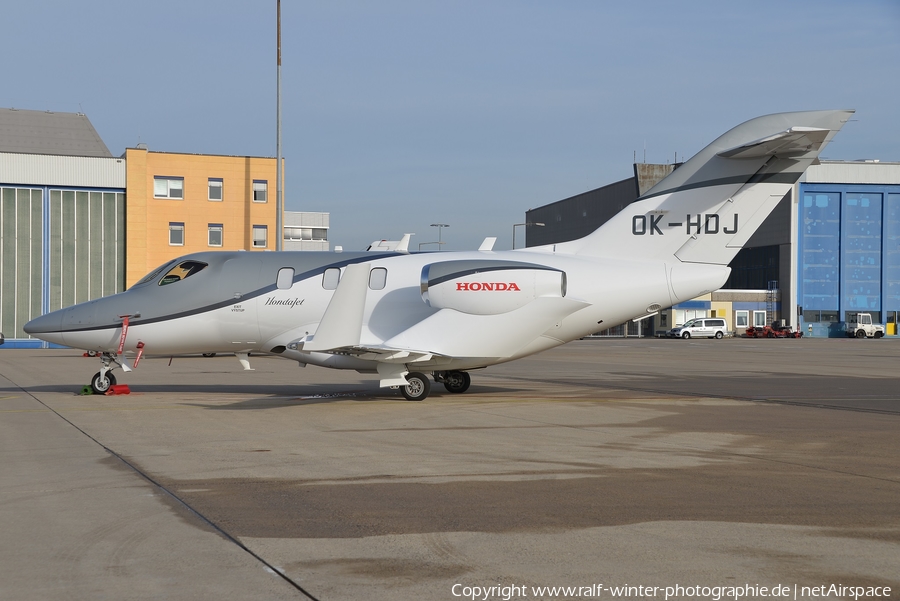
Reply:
x=152, y=275
x=183, y=270
x=691, y=323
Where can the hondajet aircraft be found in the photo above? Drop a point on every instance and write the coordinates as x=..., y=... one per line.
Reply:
x=404, y=315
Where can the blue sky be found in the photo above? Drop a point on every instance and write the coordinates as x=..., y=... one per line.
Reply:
x=399, y=114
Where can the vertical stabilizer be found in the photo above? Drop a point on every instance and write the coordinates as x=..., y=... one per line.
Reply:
x=707, y=209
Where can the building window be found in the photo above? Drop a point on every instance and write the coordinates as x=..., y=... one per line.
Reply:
x=741, y=319
x=215, y=234
x=759, y=319
x=260, y=190
x=168, y=187
x=260, y=234
x=305, y=233
x=176, y=234
x=215, y=189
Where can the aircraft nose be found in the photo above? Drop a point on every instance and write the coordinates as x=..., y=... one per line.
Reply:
x=51, y=323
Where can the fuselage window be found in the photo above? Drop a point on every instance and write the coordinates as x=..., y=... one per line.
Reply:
x=285, y=278
x=378, y=278
x=183, y=270
x=330, y=278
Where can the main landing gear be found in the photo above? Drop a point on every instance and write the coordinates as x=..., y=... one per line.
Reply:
x=419, y=386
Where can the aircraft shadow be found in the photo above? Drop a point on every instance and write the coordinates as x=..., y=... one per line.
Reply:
x=268, y=396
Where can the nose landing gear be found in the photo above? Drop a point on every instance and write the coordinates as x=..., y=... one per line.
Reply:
x=101, y=382
x=104, y=379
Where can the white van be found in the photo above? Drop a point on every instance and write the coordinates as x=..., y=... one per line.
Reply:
x=709, y=327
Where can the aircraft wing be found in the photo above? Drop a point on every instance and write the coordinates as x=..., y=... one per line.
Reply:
x=342, y=322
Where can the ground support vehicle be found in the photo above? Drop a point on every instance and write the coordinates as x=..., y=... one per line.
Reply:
x=773, y=331
x=861, y=326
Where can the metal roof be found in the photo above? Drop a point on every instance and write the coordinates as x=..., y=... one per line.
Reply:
x=45, y=132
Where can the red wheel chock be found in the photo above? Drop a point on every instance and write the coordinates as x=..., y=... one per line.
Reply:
x=118, y=389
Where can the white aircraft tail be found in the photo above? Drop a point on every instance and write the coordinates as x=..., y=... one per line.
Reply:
x=707, y=209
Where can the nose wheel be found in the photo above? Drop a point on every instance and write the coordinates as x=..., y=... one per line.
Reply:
x=101, y=382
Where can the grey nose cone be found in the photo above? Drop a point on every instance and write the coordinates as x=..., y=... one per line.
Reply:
x=51, y=323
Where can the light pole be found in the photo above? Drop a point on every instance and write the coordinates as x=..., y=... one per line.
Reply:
x=440, y=227
x=279, y=193
x=527, y=223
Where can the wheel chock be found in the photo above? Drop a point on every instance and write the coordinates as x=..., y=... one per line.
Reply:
x=118, y=389
x=86, y=390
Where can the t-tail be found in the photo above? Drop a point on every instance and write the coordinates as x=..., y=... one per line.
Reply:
x=705, y=211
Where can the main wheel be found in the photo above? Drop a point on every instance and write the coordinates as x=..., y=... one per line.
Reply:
x=417, y=388
x=101, y=385
x=860, y=333
x=457, y=381
x=719, y=335
x=686, y=335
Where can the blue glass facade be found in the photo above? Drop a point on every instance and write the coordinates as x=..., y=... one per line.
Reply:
x=848, y=252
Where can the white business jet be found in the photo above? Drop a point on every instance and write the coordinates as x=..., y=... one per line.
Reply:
x=404, y=315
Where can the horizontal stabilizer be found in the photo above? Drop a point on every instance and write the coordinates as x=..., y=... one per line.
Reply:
x=342, y=323
x=792, y=142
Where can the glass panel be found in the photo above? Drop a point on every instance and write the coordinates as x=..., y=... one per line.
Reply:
x=861, y=252
x=741, y=319
x=319, y=234
x=285, y=278
x=153, y=274
x=215, y=190
x=96, y=245
x=160, y=187
x=176, y=188
x=23, y=261
x=109, y=244
x=182, y=271
x=214, y=234
x=330, y=278
x=55, y=260
x=37, y=253
x=120, y=241
x=260, y=190
x=759, y=319
x=378, y=278
x=176, y=234
x=891, y=258
x=820, y=245
x=8, y=266
x=68, y=248
x=259, y=236
x=82, y=247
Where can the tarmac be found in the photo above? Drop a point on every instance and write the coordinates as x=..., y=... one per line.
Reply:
x=735, y=463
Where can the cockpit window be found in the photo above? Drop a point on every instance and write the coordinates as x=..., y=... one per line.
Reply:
x=183, y=270
x=152, y=275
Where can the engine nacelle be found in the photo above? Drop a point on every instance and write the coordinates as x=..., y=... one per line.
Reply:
x=483, y=287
